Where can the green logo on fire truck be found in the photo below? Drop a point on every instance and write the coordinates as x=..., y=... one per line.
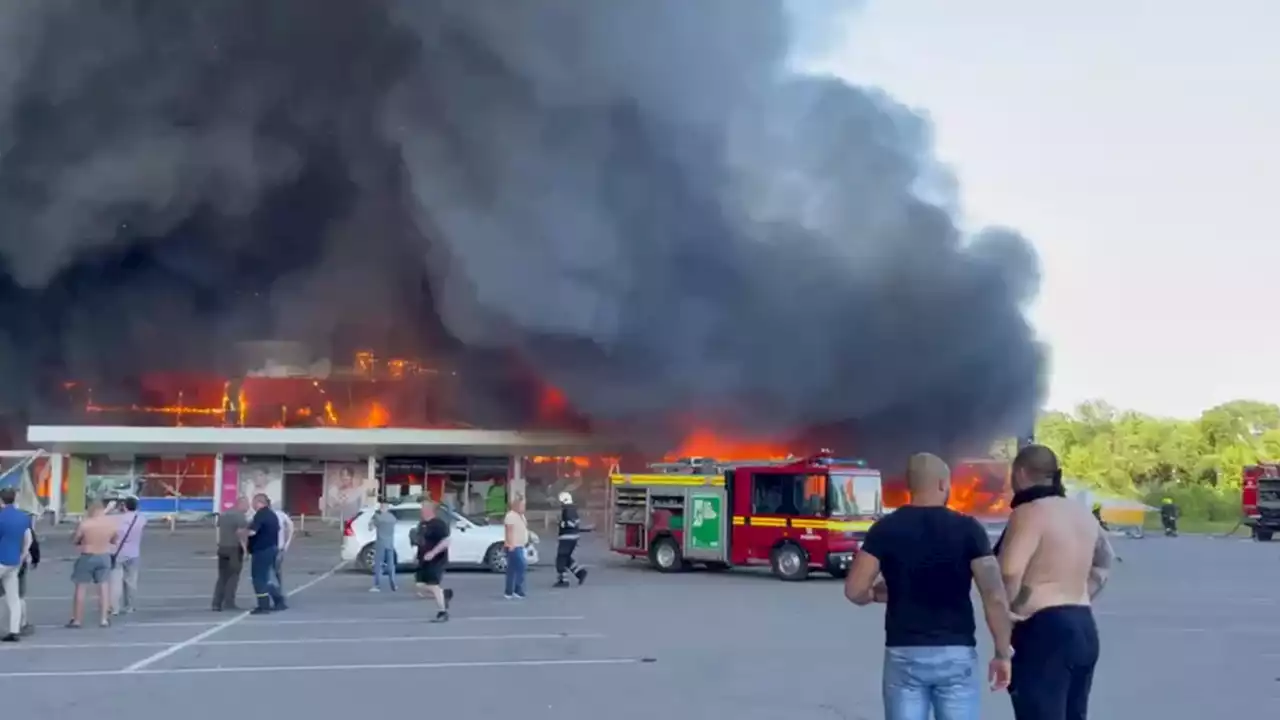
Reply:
x=704, y=533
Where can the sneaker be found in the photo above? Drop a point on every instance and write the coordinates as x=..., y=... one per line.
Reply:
x=509, y=596
x=10, y=638
x=375, y=589
x=520, y=596
x=582, y=576
x=27, y=630
x=260, y=611
x=442, y=616
x=561, y=583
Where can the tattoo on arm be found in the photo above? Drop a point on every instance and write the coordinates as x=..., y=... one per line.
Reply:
x=995, y=603
x=1103, y=557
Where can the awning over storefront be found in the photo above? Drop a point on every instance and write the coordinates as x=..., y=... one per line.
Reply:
x=318, y=443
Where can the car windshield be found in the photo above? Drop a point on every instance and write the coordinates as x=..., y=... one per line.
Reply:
x=853, y=494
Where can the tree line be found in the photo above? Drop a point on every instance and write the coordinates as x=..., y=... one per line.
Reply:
x=1197, y=461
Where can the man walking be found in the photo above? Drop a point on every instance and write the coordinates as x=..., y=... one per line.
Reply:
x=230, y=533
x=286, y=539
x=383, y=524
x=15, y=548
x=567, y=543
x=96, y=535
x=1055, y=560
x=124, y=561
x=515, y=538
x=263, y=545
x=929, y=556
x=432, y=540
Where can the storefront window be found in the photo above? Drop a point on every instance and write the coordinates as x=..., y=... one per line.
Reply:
x=175, y=484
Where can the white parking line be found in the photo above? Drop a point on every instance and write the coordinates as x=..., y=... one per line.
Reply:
x=381, y=667
x=306, y=641
x=178, y=647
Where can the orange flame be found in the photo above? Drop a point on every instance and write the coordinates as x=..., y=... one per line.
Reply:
x=377, y=417
x=704, y=443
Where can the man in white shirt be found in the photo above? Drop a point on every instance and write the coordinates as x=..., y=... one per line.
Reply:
x=286, y=539
x=516, y=537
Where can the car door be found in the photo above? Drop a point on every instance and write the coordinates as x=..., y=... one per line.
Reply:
x=406, y=521
x=468, y=542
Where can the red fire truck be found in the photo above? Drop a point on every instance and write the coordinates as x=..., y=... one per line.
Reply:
x=795, y=515
x=1260, y=496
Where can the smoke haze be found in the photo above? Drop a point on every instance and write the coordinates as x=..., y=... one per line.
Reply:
x=638, y=199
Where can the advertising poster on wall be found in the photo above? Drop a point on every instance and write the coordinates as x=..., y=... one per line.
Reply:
x=347, y=488
x=229, y=484
x=262, y=475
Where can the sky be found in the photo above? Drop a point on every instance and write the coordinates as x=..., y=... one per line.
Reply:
x=1137, y=145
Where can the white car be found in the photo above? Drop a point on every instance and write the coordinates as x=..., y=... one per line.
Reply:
x=470, y=544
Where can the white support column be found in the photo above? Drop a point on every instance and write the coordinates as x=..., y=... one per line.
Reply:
x=217, y=484
x=57, y=467
x=515, y=480
x=372, y=474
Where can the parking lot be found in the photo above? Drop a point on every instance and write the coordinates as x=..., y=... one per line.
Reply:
x=1189, y=630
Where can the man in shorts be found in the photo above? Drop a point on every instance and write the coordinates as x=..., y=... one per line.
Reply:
x=432, y=540
x=96, y=536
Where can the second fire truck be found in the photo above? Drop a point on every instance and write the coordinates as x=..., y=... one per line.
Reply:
x=795, y=516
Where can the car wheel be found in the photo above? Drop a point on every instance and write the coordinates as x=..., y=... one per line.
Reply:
x=364, y=560
x=495, y=559
x=789, y=563
x=665, y=557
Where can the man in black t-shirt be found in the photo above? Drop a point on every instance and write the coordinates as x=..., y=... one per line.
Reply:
x=431, y=538
x=928, y=557
x=263, y=536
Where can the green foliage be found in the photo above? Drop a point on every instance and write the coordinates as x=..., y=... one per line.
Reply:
x=1196, y=462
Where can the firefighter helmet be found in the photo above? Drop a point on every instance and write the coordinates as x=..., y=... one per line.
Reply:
x=566, y=498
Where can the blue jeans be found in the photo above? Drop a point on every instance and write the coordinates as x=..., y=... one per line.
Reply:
x=516, y=567
x=262, y=570
x=384, y=561
x=942, y=679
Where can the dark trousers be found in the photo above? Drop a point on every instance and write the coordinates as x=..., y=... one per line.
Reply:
x=262, y=569
x=230, y=563
x=1054, y=654
x=565, y=563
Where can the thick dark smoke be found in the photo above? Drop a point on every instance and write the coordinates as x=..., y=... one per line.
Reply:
x=638, y=199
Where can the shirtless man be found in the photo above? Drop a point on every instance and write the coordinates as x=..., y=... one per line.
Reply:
x=95, y=537
x=1055, y=559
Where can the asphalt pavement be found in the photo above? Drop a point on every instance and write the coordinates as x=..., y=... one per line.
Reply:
x=1191, y=630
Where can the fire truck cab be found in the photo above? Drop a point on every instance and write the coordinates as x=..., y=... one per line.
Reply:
x=795, y=516
x=1260, y=498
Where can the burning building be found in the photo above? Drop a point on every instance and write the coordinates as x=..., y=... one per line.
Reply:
x=630, y=220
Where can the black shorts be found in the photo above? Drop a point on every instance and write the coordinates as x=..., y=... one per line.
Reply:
x=429, y=573
x=1054, y=654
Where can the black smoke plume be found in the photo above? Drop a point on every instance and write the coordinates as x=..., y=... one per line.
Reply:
x=639, y=200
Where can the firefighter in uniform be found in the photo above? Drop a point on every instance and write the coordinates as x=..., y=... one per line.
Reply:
x=568, y=542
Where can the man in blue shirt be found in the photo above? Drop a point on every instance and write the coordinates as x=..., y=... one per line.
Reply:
x=264, y=544
x=15, y=546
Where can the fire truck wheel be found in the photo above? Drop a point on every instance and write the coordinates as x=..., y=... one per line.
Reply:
x=789, y=562
x=665, y=555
